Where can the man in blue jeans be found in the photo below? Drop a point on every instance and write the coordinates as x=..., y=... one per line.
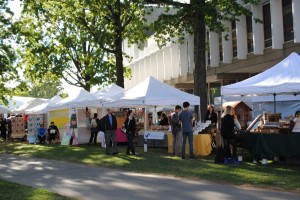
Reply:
x=186, y=118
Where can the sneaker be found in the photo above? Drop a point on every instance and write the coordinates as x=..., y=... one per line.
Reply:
x=182, y=157
x=192, y=157
x=115, y=153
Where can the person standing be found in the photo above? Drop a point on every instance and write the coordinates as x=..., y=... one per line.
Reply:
x=227, y=132
x=3, y=127
x=176, y=131
x=186, y=118
x=109, y=123
x=130, y=126
x=211, y=115
x=163, y=120
x=95, y=127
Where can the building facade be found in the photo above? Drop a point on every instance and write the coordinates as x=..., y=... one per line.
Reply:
x=249, y=47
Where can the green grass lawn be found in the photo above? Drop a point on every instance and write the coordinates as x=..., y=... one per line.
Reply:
x=15, y=191
x=158, y=161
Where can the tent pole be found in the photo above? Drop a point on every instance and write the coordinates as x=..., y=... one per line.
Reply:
x=274, y=103
x=145, y=128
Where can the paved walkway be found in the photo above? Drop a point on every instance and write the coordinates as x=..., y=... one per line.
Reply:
x=86, y=182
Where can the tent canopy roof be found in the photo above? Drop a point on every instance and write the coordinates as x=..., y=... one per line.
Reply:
x=152, y=92
x=282, y=78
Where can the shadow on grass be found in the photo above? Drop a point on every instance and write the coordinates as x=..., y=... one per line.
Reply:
x=158, y=161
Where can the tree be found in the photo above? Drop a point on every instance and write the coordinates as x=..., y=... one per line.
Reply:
x=52, y=41
x=7, y=53
x=112, y=22
x=192, y=18
x=50, y=87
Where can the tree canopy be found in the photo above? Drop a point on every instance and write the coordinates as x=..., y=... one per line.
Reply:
x=7, y=53
x=79, y=41
x=52, y=41
x=192, y=18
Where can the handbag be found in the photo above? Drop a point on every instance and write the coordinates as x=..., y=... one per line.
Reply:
x=123, y=129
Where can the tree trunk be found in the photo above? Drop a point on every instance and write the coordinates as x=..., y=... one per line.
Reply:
x=200, y=87
x=119, y=63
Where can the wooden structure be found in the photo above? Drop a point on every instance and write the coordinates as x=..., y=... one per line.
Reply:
x=242, y=110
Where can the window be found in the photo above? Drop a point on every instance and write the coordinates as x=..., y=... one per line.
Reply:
x=267, y=25
x=249, y=34
x=234, y=41
x=220, y=47
x=287, y=20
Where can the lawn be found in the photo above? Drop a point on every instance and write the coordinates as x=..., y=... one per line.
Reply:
x=157, y=160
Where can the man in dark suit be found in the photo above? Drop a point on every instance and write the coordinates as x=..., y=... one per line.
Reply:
x=109, y=127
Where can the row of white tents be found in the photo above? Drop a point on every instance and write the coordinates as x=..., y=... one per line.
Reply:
x=281, y=79
x=150, y=92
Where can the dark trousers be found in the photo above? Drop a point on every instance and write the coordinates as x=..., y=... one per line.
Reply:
x=3, y=134
x=51, y=137
x=130, y=147
x=93, y=136
x=227, y=151
x=110, y=135
x=42, y=139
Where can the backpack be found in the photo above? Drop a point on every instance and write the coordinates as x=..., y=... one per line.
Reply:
x=93, y=123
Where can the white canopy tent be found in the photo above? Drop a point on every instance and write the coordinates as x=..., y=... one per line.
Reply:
x=283, y=78
x=28, y=105
x=105, y=94
x=43, y=108
x=151, y=92
x=78, y=97
x=3, y=109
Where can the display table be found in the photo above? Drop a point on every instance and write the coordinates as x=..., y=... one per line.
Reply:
x=201, y=144
x=270, y=145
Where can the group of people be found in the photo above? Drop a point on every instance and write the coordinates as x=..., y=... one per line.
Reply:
x=51, y=133
x=108, y=125
x=182, y=129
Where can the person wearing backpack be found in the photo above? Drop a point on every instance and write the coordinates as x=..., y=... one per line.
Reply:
x=95, y=127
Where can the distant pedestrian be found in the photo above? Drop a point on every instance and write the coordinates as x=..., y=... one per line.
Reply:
x=176, y=131
x=130, y=126
x=95, y=128
x=186, y=118
x=109, y=124
x=3, y=127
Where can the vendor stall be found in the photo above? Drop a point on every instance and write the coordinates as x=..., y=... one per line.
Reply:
x=151, y=93
x=271, y=138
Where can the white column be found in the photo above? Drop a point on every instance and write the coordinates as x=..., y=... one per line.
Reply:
x=241, y=37
x=214, y=49
x=148, y=66
x=161, y=64
x=191, y=53
x=175, y=60
x=277, y=24
x=183, y=59
x=227, y=43
x=296, y=20
x=258, y=30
